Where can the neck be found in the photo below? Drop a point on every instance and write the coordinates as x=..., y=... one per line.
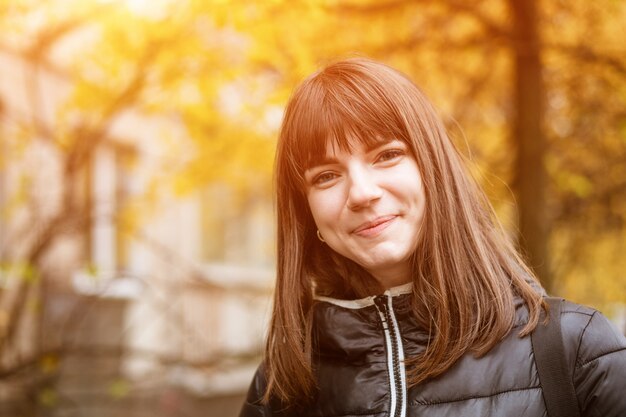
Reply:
x=392, y=277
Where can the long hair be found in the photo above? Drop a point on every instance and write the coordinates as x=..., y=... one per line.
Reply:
x=466, y=272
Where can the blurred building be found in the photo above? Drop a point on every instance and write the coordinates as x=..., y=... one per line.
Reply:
x=147, y=302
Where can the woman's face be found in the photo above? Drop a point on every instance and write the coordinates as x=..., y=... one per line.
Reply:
x=368, y=205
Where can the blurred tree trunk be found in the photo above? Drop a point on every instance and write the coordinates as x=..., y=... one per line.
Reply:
x=528, y=136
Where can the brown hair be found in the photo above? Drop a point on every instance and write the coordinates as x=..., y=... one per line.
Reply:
x=466, y=272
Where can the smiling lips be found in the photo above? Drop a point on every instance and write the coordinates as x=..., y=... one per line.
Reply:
x=373, y=228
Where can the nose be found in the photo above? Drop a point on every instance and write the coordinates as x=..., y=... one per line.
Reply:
x=364, y=189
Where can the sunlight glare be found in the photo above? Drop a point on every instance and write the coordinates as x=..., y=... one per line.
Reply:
x=153, y=9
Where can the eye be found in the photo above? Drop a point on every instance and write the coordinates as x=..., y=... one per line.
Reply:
x=389, y=155
x=324, y=177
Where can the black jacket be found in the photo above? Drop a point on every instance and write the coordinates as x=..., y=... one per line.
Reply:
x=361, y=346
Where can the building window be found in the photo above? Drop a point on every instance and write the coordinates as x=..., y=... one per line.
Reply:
x=108, y=183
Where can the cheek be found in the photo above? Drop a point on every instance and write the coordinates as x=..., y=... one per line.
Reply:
x=316, y=205
x=325, y=208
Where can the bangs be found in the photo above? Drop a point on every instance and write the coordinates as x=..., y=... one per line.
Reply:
x=339, y=114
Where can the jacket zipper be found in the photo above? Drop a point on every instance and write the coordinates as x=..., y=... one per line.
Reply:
x=395, y=355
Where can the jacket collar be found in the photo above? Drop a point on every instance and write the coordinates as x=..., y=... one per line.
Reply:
x=367, y=301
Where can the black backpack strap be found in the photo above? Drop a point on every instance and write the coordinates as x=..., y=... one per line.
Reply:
x=554, y=376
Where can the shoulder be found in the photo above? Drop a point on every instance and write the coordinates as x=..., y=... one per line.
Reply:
x=596, y=352
x=588, y=334
x=253, y=405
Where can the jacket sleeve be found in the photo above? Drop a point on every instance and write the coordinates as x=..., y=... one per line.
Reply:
x=252, y=406
x=600, y=362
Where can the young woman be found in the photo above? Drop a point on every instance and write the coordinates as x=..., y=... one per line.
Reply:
x=397, y=292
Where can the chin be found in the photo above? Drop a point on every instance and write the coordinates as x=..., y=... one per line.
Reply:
x=383, y=262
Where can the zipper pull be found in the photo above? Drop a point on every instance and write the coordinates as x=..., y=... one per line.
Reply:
x=381, y=306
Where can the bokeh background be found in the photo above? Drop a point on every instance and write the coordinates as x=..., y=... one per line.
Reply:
x=136, y=150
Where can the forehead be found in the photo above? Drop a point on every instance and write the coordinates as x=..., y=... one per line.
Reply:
x=329, y=117
x=332, y=146
x=353, y=146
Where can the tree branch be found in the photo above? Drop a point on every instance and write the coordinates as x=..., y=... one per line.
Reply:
x=455, y=6
x=587, y=54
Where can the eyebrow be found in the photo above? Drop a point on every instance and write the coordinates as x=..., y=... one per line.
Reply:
x=330, y=161
x=322, y=161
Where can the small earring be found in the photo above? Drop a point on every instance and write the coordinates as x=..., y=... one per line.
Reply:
x=319, y=236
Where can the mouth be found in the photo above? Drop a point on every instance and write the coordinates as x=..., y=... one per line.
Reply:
x=374, y=227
